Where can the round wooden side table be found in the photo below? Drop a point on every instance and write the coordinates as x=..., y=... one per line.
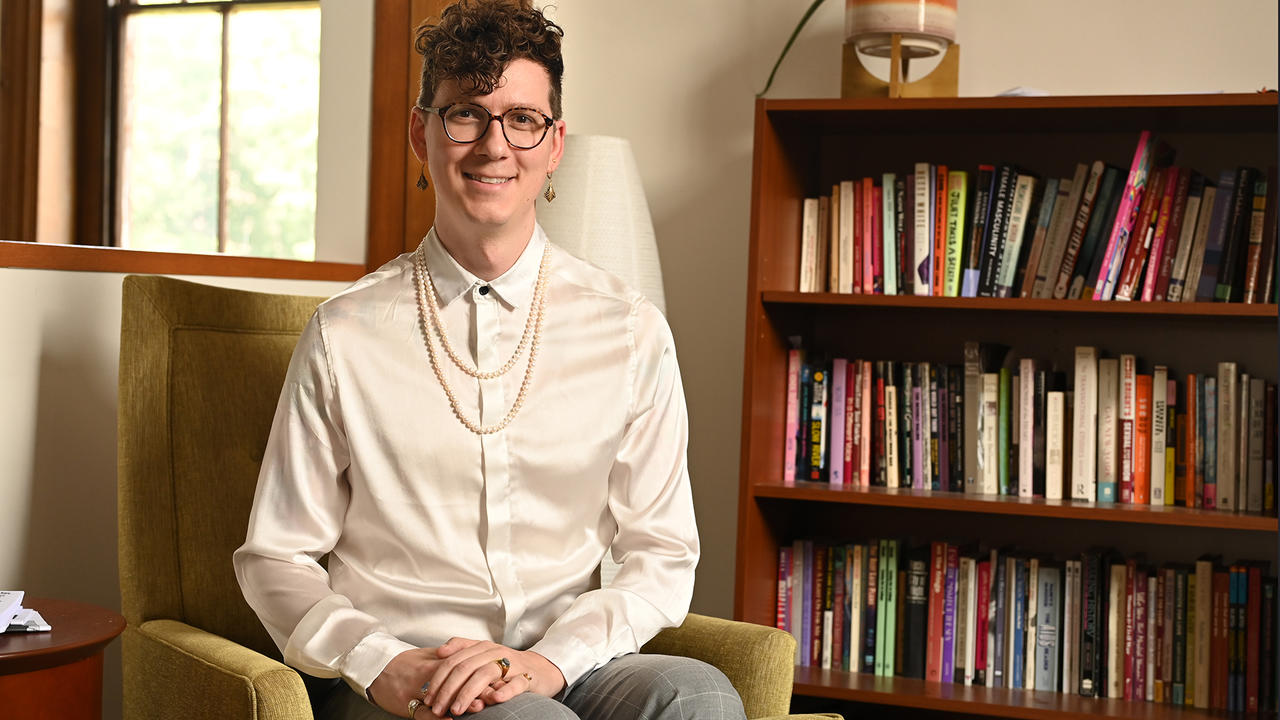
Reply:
x=57, y=674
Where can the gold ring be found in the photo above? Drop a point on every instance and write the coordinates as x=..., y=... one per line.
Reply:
x=414, y=704
x=505, y=664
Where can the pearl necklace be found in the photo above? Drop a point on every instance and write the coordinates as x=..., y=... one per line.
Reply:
x=429, y=318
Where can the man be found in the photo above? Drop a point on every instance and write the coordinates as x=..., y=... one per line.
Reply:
x=469, y=429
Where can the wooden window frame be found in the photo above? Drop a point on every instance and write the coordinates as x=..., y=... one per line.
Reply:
x=398, y=215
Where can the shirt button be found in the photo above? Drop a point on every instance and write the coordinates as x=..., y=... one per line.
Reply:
x=484, y=289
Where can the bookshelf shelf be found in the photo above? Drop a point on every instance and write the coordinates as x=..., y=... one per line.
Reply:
x=1009, y=505
x=976, y=700
x=1264, y=312
x=804, y=146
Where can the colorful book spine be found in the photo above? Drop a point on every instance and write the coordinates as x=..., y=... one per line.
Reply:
x=1126, y=216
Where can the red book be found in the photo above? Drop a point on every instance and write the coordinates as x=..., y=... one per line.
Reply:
x=1172, y=237
x=866, y=275
x=980, y=673
x=940, y=204
x=1218, y=630
x=1130, y=577
x=1190, y=497
x=937, y=582
x=1177, y=178
x=877, y=243
x=1252, y=623
x=1135, y=256
x=1142, y=469
x=857, y=236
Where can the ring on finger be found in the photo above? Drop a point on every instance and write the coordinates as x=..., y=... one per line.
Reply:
x=414, y=704
x=425, y=686
x=504, y=664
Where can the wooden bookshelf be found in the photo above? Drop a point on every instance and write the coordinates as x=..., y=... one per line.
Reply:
x=802, y=147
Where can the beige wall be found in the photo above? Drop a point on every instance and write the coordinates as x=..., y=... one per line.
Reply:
x=678, y=79
x=675, y=77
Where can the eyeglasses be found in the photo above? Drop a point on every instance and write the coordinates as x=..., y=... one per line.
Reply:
x=524, y=129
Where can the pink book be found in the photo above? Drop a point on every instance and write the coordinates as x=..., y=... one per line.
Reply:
x=877, y=247
x=851, y=388
x=1177, y=176
x=869, y=244
x=839, y=369
x=791, y=428
x=1126, y=215
x=864, y=464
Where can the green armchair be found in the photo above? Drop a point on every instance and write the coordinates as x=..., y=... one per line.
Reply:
x=200, y=372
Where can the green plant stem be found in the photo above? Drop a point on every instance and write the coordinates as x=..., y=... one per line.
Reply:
x=804, y=19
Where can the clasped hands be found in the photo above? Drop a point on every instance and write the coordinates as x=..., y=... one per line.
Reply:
x=460, y=676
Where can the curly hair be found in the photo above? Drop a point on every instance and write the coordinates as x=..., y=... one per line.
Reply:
x=475, y=40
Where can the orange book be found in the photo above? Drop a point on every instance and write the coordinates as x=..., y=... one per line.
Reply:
x=1142, y=443
x=867, y=274
x=1192, y=473
x=940, y=204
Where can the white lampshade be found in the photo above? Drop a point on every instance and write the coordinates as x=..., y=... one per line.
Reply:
x=600, y=213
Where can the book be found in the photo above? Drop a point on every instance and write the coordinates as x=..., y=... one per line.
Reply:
x=1025, y=401
x=1141, y=463
x=1159, y=434
x=966, y=617
x=1108, y=465
x=1219, y=220
x=1144, y=228
x=1209, y=431
x=1203, y=618
x=1263, y=198
x=1015, y=653
x=1255, y=455
x=809, y=245
x=1020, y=206
x=866, y=648
x=994, y=244
x=957, y=196
x=1227, y=393
x=997, y=616
x=1267, y=263
x=982, y=600
x=938, y=251
x=988, y=435
x=921, y=276
x=791, y=423
x=936, y=610
x=1076, y=234
x=950, y=600
x=1156, y=286
x=890, y=216
x=917, y=612
x=1069, y=630
x=1055, y=445
x=978, y=359
x=1230, y=284
x=1190, y=227
x=1004, y=401
x=1128, y=401
x=1084, y=425
x=845, y=265
x=1115, y=619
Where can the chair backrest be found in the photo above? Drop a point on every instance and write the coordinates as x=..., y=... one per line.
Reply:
x=200, y=373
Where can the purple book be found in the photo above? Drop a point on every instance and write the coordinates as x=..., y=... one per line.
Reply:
x=917, y=443
x=949, y=613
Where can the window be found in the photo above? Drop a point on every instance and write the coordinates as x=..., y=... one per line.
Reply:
x=216, y=106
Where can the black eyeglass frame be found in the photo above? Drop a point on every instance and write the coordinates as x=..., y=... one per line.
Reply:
x=548, y=122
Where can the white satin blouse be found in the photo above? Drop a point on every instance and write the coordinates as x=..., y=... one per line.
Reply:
x=435, y=532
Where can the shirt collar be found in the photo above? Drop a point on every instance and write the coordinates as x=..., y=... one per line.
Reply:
x=514, y=287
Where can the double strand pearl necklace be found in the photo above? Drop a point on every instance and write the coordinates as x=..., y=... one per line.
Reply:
x=429, y=317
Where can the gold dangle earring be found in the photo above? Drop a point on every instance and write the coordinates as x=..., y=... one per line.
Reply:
x=422, y=177
x=550, y=193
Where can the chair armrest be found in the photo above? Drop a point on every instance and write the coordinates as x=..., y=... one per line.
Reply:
x=173, y=670
x=758, y=660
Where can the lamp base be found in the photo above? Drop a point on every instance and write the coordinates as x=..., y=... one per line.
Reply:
x=856, y=82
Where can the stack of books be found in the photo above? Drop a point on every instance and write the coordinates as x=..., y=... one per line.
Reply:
x=1160, y=232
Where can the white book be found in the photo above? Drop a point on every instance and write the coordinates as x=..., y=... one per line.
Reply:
x=797, y=594
x=1227, y=391
x=1190, y=219
x=809, y=245
x=1108, y=428
x=1115, y=630
x=1242, y=443
x=828, y=620
x=1056, y=240
x=1084, y=426
x=1055, y=444
x=1195, y=263
x=1026, y=400
x=1204, y=599
x=845, y=275
x=922, y=280
x=1159, y=432
x=988, y=430
x=1023, y=190
x=889, y=212
x=1257, y=420
x=891, y=435
x=855, y=606
x=834, y=230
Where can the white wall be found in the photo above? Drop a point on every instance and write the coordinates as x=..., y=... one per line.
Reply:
x=678, y=79
x=675, y=77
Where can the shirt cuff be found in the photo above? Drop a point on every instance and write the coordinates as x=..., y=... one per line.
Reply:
x=366, y=661
x=573, y=657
